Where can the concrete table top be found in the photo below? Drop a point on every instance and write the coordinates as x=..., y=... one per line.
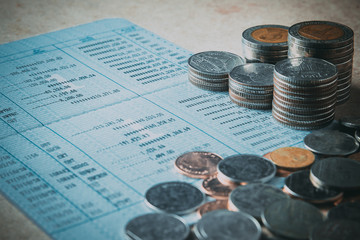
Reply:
x=194, y=25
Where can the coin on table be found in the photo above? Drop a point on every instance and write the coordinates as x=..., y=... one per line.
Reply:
x=197, y=164
x=290, y=218
x=253, y=198
x=224, y=224
x=337, y=173
x=331, y=142
x=346, y=210
x=174, y=197
x=351, y=122
x=357, y=135
x=298, y=184
x=245, y=168
x=292, y=158
x=157, y=226
x=336, y=230
x=214, y=188
x=212, y=206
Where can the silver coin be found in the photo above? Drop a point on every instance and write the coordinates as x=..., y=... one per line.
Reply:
x=253, y=74
x=350, y=122
x=214, y=63
x=336, y=230
x=357, y=135
x=331, y=142
x=305, y=71
x=347, y=210
x=174, y=197
x=211, y=84
x=261, y=52
x=337, y=173
x=295, y=49
x=302, y=117
x=298, y=184
x=253, y=198
x=290, y=218
x=321, y=34
x=257, y=106
x=249, y=40
x=227, y=225
x=157, y=226
x=245, y=168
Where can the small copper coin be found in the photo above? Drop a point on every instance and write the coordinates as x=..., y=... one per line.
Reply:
x=211, y=206
x=292, y=158
x=197, y=164
x=279, y=172
x=214, y=188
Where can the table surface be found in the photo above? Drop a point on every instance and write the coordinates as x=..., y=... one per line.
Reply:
x=194, y=25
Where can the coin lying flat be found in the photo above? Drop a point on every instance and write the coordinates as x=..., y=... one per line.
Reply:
x=174, y=197
x=253, y=198
x=290, y=218
x=224, y=224
x=292, y=158
x=337, y=173
x=246, y=168
x=214, y=188
x=331, y=142
x=351, y=122
x=336, y=230
x=157, y=226
x=197, y=164
x=298, y=184
x=346, y=210
x=212, y=206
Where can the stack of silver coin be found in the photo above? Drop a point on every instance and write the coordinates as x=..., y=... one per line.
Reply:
x=331, y=41
x=304, y=93
x=265, y=43
x=251, y=85
x=209, y=70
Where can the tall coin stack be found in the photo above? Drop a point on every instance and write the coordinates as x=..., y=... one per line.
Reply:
x=304, y=93
x=210, y=70
x=265, y=43
x=331, y=41
x=251, y=85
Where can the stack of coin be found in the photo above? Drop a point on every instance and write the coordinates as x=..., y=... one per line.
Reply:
x=304, y=93
x=331, y=41
x=209, y=70
x=265, y=43
x=251, y=85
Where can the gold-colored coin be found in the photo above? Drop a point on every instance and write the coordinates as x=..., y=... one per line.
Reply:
x=292, y=158
x=270, y=35
x=321, y=32
x=211, y=206
x=214, y=188
x=197, y=164
x=279, y=172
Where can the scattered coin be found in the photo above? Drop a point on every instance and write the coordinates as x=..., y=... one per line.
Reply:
x=197, y=164
x=209, y=70
x=174, y=197
x=346, y=210
x=292, y=158
x=290, y=218
x=331, y=143
x=298, y=184
x=253, y=198
x=214, y=188
x=242, y=169
x=157, y=226
x=337, y=173
x=224, y=224
x=212, y=206
x=351, y=122
x=336, y=230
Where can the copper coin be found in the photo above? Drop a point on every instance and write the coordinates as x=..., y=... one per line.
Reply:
x=211, y=206
x=270, y=35
x=355, y=156
x=292, y=158
x=214, y=188
x=197, y=164
x=321, y=32
x=279, y=172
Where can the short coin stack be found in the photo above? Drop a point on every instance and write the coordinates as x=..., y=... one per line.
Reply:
x=304, y=93
x=251, y=85
x=265, y=43
x=209, y=70
x=331, y=41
